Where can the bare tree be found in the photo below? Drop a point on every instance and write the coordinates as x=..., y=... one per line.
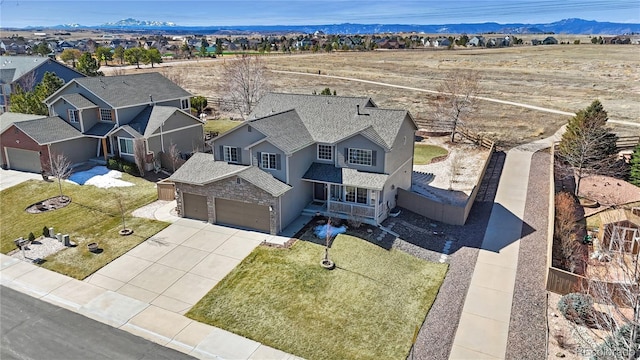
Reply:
x=28, y=81
x=140, y=154
x=457, y=99
x=244, y=82
x=175, y=74
x=122, y=207
x=117, y=71
x=60, y=167
x=174, y=156
x=456, y=169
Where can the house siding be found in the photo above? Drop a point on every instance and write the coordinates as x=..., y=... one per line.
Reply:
x=61, y=108
x=186, y=140
x=269, y=148
x=89, y=118
x=402, y=147
x=77, y=150
x=229, y=189
x=126, y=115
x=239, y=137
x=13, y=137
x=360, y=142
x=296, y=199
x=177, y=121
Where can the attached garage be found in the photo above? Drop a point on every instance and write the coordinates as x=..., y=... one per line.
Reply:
x=195, y=206
x=23, y=160
x=242, y=214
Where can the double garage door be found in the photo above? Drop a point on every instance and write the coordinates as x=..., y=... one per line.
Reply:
x=23, y=160
x=229, y=212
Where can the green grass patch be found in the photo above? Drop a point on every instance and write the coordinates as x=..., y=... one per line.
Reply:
x=220, y=125
x=424, y=154
x=367, y=308
x=92, y=216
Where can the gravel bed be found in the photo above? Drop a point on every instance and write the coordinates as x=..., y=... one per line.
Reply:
x=528, y=326
x=426, y=239
x=38, y=249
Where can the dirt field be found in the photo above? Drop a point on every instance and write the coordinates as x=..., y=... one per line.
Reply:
x=561, y=77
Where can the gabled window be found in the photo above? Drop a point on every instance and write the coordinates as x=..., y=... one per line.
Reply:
x=268, y=161
x=184, y=104
x=74, y=115
x=125, y=145
x=325, y=152
x=230, y=153
x=105, y=115
x=360, y=157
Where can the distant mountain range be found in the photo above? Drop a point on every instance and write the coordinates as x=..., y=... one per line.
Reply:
x=566, y=26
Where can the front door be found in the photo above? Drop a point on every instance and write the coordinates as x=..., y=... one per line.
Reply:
x=320, y=191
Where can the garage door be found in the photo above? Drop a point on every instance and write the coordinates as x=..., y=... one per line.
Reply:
x=243, y=214
x=195, y=206
x=24, y=160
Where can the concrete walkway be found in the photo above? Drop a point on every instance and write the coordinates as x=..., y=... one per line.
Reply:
x=484, y=323
x=9, y=178
x=147, y=291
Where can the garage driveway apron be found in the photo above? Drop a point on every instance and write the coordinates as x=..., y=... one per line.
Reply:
x=176, y=267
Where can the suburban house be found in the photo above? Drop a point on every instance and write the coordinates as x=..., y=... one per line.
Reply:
x=94, y=118
x=28, y=71
x=334, y=155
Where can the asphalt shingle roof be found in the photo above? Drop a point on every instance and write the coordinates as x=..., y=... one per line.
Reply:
x=13, y=67
x=100, y=129
x=48, y=130
x=280, y=128
x=127, y=90
x=202, y=169
x=345, y=176
x=329, y=119
x=79, y=101
x=8, y=118
x=150, y=119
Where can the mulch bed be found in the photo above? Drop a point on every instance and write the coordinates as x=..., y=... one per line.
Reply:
x=53, y=203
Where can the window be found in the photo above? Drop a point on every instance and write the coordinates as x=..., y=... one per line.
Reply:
x=355, y=195
x=105, y=115
x=268, y=161
x=360, y=157
x=184, y=104
x=74, y=116
x=126, y=146
x=230, y=154
x=336, y=192
x=325, y=152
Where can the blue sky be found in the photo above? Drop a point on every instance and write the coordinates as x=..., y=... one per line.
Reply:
x=22, y=13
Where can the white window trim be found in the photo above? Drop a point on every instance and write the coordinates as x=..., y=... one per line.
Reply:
x=355, y=195
x=318, y=152
x=110, y=115
x=120, y=148
x=358, y=163
x=73, y=118
x=184, y=102
x=266, y=157
x=229, y=158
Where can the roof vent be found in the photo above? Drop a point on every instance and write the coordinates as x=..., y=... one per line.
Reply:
x=150, y=97
x=358, y=110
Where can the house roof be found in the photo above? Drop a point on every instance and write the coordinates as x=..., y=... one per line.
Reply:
x=202, y=169
x=8, y=118
x=14, y=67
x=48, y=130
x=128, y=90
x=329, y=119
x=151, y=118
x=279, y=128
x=100, y=129
x=79, y=101
x=345, y=176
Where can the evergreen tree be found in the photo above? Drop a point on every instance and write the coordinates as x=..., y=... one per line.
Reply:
x=152, y=56
x=587, y=146
x=88, y=65
x=118, y=52
x=31, y=102
x=134, y=56
x=634, y=176
x=103, y=54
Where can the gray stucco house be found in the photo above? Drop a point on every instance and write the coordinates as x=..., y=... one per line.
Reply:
x=95, y=118
x=301, y=153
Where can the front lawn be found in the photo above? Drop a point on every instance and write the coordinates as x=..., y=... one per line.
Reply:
x=92, y=216
x=369, y=307
x=424, y=154
x=220, y=125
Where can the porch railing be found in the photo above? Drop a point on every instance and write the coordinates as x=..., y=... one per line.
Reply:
x=352, y=209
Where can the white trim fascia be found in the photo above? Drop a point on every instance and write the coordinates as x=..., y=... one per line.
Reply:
x=170, y=131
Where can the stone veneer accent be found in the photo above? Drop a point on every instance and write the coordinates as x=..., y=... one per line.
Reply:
x=230, y=189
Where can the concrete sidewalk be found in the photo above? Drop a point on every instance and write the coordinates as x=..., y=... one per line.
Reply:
x=137, y=317
x=484, y=323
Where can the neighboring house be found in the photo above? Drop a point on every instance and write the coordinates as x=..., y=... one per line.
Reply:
x=550, y=40
x=441, y=42
x=477, y=41
x=14, y=46
x=334, y=155
x=92, y=119
x=28, y=71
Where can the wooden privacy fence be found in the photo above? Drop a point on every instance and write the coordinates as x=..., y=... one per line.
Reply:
x=477, y=139
x=627, y=142
x=166, y=190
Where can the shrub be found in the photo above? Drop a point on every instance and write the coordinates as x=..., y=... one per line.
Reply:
x=618, y=346
x=577, y=307
x=32, y=237
x=45, y=231
x=113, y=164
x=123, y=165
x=130, y=169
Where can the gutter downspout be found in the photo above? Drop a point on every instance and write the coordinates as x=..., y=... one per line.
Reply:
x=161, y=137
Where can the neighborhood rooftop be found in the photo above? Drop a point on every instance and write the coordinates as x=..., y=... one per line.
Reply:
x=128, y=90
x=14, y=67
x=48, y=130
x=324, y=117
x=8, y=118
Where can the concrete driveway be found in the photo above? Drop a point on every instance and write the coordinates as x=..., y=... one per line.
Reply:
x=178, y=266
x=9, y=178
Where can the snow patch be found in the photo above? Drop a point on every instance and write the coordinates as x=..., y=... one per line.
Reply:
x=100, y=177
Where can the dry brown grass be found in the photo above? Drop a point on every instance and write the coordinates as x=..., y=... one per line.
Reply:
x=562, y=77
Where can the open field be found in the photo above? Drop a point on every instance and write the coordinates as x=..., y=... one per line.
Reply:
x=561, y=77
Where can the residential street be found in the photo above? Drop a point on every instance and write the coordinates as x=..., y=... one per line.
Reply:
x=34, y=329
